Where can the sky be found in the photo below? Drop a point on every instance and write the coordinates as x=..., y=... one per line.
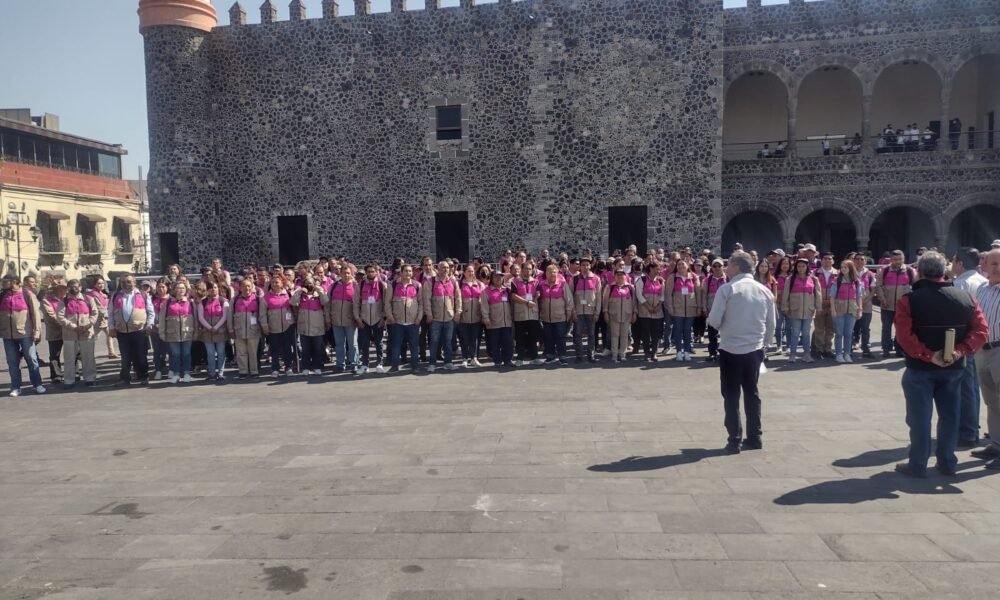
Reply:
x=83, y=60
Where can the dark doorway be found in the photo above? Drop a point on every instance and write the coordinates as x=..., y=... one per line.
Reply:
x=169, y=251
x=991, y=129
x=754, y=229
x=830, y=230
x=901, y=228
x=451, y=235
x=293, y=239
x=976, y=226
x=626, y=226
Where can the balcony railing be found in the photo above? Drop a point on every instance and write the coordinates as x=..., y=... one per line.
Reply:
x=840, y=145
x=126, y=246
x=92, y=246
x=53, y=245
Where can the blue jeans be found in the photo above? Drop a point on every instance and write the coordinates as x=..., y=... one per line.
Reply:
x=968, y=422
x=887, y=341
x=682, y=332
x=410, y=334
x=161, y=350
x=799, y=328
x=924, y=390
x=216, y=357
x=345, y=344
x=554, y=335
x=843, y=333
x=584, y=327
x=180, y=357
x=780, y=329
x=668, y=322
x=441, y=333
x=13, y=349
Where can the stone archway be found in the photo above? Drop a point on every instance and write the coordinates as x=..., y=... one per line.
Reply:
x=901, y=227
x=756, y=229
x=829, y=100
x=973, y=221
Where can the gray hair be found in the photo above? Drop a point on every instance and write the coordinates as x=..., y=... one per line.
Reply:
x=742, y=261
x=931, y=265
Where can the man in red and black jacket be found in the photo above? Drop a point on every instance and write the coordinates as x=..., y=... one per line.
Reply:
x=922, y=317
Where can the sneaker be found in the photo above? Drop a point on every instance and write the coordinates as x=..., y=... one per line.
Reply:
x=173, y=378
x=538, y=361
x=40, y=389
x=840, y=358
x=591, y=359
x=475, y=363
x=157, y=376
x=430, y=368
x=606, y=352
x=361, y=370
x=808, y=358
x=186, y=378
x=394, y=369
x=220, y=377
x=848, y=359
x=378, y=369
x=793, y=359
x=518, y=363
x=867, y=354
x=679, y=357
x=550, y=361
x=15, y=393
x=450, y=367
x=562, y=362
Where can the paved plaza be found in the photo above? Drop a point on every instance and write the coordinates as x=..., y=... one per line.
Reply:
x=568, y=484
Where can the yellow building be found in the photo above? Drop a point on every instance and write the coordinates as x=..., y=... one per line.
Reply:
x=65, y=210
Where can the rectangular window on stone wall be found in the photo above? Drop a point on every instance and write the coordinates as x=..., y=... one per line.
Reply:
x=293, y=239
x=449, y=122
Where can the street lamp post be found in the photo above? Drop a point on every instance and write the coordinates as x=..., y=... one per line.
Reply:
x=17, y=218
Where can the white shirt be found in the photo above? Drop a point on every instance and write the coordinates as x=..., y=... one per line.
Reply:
x=743, y=312
x=970, y=281
x=988, y=297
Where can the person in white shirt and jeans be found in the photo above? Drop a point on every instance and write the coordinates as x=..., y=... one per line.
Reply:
x=743, y=312
x=964, y=265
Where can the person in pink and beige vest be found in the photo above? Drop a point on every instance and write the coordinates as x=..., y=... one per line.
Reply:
x=77, y=315
x=130, y=318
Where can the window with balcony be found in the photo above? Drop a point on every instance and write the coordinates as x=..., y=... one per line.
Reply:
x=121, y=235
x=87, y=234
x=49, y=241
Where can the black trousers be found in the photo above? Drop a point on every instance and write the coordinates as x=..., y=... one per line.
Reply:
x=313, y=352
x=134, y=351
x=55, y=360
x=367, y=335
x=651, y=332
x=500, y=342
x=741, y=372
x=713, y=341
x=527, y=334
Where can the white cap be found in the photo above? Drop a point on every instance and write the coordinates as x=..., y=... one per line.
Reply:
x=809, y=247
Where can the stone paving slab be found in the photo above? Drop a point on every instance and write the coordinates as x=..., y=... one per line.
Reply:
x=569, y=484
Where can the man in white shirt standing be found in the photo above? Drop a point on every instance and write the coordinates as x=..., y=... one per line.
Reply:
x=964, y=265
x=743, y=312
x=988, y=357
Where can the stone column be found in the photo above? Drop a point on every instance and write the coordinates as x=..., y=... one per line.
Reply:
x=944, y=143
x=296, y=10
x=362, y=7
x=792, y=110
x=397, y=6
x=331, y=8
x=867, y=147
x=237, y=16
x=432, y=5
x=268, y=12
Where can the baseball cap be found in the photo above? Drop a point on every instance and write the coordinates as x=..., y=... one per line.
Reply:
x=778, y=251
x=809, y=247
x=995, y=244
x=718, y=262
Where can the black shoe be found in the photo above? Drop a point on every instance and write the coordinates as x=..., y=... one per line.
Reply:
x=966, y=444
x=749, y=444
x=994, y=465
x=578, y=359
x=712, y=358
x=987, y=453
x=886, y=355
x=338, y=370
x=90, y=383
x=866, y=355
x=829, y=355
x=591, y=359
x=143, y=382
x=905, y=469
x=653, y=359
x=733, y=448
x=899, y=355
x=562, y=362
x=394, y=369
x=68, y=386
x=123, y=383
x=947, y=471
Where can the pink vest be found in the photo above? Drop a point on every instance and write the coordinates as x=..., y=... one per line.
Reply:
x=158, y=303
x=652, y=287
x=179, y=308
x=496, y=296
x=53, y=302
x=684, y=283
x=714, y=283
x=551, y=292
x=276, y=301
x=897, y=278
x=13, y=302
x=803, y=286
x=371, y=289
x=407, y=290
x=586, y=283
x=624, y=291
x=245, y=305
x=823, y=281
x=310, y=303
x=343, y=292
x=471, y=291
x=99, y=297
x=212, y=309
x=442, y=288
x=77, y=306
x=139, y=302
x=847, y=290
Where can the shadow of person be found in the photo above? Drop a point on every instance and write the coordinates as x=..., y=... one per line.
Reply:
x=873, y=458
x=652, y=463
x=881, y=486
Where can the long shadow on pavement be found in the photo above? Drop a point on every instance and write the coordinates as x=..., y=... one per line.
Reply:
x=652, y=463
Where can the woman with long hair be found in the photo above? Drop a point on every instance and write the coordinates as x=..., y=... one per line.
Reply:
x=244, y=326
x=683, y=303
x=277, y=323
x=213, y=319
x=177, y=328
x=649, y=295
x=700, y=325
x=781, y=274
x=846, y=297
x=470, y=316
x=799, y=302
x=311, y=301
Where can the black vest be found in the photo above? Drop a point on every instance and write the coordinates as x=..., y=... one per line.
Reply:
x=934, y=307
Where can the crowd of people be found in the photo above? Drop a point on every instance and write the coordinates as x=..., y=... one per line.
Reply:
x=523, y=310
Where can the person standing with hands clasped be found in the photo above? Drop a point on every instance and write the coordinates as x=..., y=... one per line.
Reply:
x=743, y=312
x=21, y=330
x=988, y=359
x=846, y=297
x=922, y=317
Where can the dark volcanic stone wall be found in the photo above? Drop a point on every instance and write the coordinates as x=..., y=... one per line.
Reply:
x=573, y=106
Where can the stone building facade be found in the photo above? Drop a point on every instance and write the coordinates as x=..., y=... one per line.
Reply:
x=542, y=123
